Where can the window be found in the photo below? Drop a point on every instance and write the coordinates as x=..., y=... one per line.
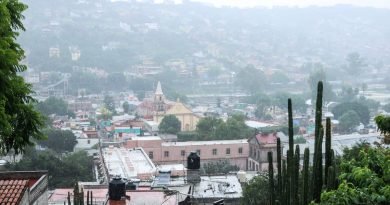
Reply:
x=198, y=152
x=240, y=150
x=183, y=153
x=228, y=151
x=151, y=155
x=214, y=151
x=166, y=154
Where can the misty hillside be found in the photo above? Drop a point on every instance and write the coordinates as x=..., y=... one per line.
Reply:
x=116, y=36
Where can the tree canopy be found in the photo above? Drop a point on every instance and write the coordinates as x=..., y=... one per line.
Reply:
x=170, y=124
x=64, y=172
x=59, y=140
x=318, y=74
x=360, y=109
x=210, y=128
x=383, y=123
x=251, y=79
x=364, y=177
x=19, y=121
x=53, y=105
x=348, y=121
x=109, y=103
x=355, y=63
x=256, y=192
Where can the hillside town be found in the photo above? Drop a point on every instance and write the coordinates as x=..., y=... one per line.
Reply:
x=122, y=102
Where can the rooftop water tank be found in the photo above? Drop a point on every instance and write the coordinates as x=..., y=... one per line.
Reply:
x=117, y=189
x=193, y=161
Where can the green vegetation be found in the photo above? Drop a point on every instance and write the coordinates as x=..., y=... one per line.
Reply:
x=256, y=192
x=126, y=107
x=299, y=140
x=170, y=124
x=317, y=73
x=348, y=121
x=109, y=104
x=59, y=140
x=210, y=128
x=384, y=126
x=64, y=171
x=293, y=187
x=251, y=79
x=219, y=167
x=364, y=177
x=54, y=105
x=355, y=64
x=362, y=110
x=19, y=121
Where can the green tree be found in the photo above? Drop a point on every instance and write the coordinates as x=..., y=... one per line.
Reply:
x=364, y=176
x=19, y=121
x=170, y=124
x=234, y=128
x=348, y=121
x=256, y=192
x=372, y=105
x=64, y=171
x=348, y=93
x=251, y=79
x=318, y=74
x=109, y=104
x=59, y=140
x=53, y=105
x=384, y=126
x=219, y=167
x=207, y=127
x=280, y=100
x=105, y=114
x=360, y=109
x=126, y=107
x=355, y=63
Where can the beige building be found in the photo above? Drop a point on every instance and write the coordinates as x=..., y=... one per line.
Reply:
x=188, y=119
x=162, y=107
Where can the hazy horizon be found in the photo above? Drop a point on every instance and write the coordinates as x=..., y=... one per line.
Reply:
x=295, y=3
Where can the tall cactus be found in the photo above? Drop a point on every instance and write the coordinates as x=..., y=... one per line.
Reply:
x=91, y=200
x=296, y=175
x=88, y=203
x=76, y=194
x=328, y=145
x=69, y=203
x=290, y=127
x=290, y=152
x=331, y=183
x=317, y=180
x=317, y=160
x=290, y=185
x=81, y=197
x=305, y=193
x=284, y=183
x=279, y=159
x=271, y=178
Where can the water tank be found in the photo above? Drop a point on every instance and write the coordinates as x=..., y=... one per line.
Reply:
x=117, y=189
x=193, y=161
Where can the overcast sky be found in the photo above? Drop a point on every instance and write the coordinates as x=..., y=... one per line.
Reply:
x=300, y=3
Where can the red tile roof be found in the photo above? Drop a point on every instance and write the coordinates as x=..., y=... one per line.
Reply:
x=11, y=191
